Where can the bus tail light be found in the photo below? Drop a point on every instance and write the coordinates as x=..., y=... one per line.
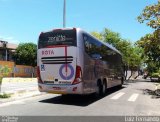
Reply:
x=78, y=75
x=38, y=75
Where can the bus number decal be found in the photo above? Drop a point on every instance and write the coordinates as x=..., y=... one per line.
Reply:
x=68, y=76
x=57, y=38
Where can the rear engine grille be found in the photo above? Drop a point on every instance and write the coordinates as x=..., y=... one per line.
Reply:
x=57, y=60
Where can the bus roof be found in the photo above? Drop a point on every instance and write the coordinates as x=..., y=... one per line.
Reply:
x=104, y=43
x=79, y=29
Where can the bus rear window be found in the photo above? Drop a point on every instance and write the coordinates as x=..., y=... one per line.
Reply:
x=57, y=37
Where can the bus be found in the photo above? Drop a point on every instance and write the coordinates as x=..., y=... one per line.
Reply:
x=71, y=61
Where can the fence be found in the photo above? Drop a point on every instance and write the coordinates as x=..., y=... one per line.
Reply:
x=19, y=70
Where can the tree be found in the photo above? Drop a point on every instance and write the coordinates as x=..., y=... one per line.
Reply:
x=151, y=15
x=97, y=35
x=151, y=46
x=26, y=54
x=111, y=37
x=151, y=42
x=134, y=60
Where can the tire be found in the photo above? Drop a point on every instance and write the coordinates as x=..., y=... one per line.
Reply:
x=99, y=91
x=104, y=88
x=122, y=82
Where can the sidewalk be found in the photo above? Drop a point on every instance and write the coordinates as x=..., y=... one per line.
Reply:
x=19, y=88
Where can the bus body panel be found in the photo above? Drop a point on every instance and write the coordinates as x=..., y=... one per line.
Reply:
x=53, y=67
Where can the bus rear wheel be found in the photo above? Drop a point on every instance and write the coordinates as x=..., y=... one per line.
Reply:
x=104, y=88
x=99, y=91
x=122, y=82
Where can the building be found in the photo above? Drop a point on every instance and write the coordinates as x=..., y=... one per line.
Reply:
x=7, y=50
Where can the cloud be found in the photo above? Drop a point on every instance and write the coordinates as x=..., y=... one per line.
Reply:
x=9, y=39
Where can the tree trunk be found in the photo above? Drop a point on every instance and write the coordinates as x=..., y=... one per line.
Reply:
x=125, y=72
x=138, y=74
x=130, y=75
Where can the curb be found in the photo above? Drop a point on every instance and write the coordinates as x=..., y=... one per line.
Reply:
x=20, y=94
x=18, y=79
x=21, y=90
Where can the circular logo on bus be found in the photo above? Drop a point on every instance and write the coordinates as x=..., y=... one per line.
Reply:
x=66, y=71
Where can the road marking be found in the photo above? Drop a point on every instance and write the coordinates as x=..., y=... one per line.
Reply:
x=133, y=97
x=117, y=96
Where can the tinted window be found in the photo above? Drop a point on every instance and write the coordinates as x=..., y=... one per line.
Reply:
x=57, y=37
x=91, y=45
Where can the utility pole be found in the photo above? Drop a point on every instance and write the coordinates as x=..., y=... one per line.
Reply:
x=64, y=14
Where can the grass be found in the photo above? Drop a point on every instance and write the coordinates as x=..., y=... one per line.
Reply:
x=5, y=95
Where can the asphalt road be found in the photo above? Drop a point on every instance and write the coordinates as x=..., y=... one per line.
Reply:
x=134, y=98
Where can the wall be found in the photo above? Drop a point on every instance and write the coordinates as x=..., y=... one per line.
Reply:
x=19, y=70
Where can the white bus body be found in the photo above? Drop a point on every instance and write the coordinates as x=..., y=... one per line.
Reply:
x=71, y=61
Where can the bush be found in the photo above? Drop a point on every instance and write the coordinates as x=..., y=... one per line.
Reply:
x=4, y=71
x=155, y=75
x=5, y=95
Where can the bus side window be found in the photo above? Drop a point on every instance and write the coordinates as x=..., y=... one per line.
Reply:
x=91, y=45
x=87, y=44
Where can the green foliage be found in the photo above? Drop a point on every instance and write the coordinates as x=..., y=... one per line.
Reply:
x=150, y=43
x=155, y=75
x=151, y=47
x=134, y=57
x=97, y=35
x=151, y=14
x=4, y=71
x=111, y=37
x=26, y=54
x=5, y=95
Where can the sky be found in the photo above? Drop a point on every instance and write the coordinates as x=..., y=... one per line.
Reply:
x=22, y=21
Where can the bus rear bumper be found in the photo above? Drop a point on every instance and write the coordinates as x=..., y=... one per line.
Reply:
x=61, y=89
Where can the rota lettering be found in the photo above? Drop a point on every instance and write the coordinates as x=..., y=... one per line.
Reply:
x=48, y=52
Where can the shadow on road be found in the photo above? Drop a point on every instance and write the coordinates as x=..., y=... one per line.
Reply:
x=78, y=100
x=150, y=92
